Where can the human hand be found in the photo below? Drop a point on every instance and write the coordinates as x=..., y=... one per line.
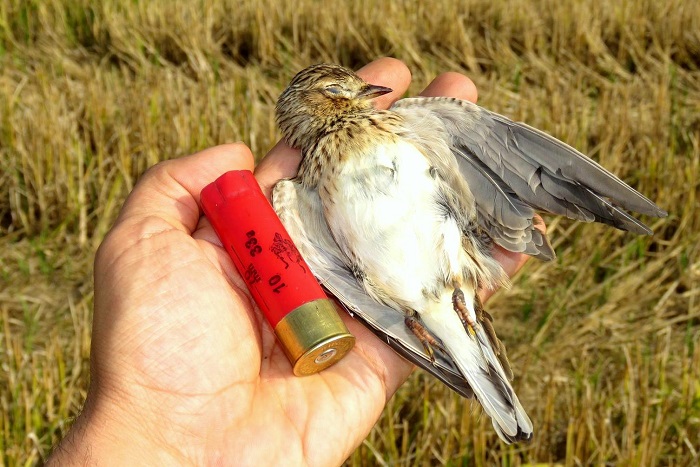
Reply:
x=184, y=369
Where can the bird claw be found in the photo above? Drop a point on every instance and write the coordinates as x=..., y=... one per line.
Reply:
x=460, y=306
x=428, y=340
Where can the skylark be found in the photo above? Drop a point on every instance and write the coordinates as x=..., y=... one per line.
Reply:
x=397, y=212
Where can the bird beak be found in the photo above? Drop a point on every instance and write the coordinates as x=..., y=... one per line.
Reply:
x=371, y=91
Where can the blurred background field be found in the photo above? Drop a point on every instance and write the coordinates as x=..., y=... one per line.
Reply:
x=605, y=341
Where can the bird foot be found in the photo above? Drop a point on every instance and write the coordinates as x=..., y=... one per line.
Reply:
x=460, y=306
x=421, y=332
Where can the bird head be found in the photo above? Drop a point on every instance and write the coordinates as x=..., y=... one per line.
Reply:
x=317, y=97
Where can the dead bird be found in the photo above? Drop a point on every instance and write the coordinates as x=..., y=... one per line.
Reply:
x=397, y=212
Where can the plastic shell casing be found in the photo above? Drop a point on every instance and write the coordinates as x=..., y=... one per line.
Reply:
x=304, y=319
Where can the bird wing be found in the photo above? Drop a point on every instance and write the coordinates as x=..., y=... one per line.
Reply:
x=513, y=169
x=316, y=244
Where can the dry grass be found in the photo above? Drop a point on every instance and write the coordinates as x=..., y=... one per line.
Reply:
x=605, y=341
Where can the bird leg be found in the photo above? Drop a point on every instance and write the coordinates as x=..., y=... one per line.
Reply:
x=466, y=316
x=486, y=321
x=424, y=336
x=459, y=304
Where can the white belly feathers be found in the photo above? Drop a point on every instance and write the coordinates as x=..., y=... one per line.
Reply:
x=385, y=207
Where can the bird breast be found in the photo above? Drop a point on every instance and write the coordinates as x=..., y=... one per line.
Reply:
x=382, y=208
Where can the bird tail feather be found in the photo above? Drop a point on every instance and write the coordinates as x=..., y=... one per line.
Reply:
x=480, y=366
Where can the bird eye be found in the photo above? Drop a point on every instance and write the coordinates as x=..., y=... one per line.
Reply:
x=335, y=90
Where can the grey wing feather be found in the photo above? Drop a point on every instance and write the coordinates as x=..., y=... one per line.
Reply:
x=316, y=244
x=508, y=164
x=513, y=220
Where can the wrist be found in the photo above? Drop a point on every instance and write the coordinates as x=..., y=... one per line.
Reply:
x=108, y=436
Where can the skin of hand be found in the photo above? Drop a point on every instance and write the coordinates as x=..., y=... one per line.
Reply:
x=183, y=367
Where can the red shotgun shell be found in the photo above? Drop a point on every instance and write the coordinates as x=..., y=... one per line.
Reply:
x=305, y=320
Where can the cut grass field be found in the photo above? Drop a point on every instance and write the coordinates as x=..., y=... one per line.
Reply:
x=604, y=341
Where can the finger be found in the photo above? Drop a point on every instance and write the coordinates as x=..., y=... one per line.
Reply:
x=511, y=262
x=452, y=84
x=389, y=72
x=283, y=161
x=170, y=190
x=205, y=231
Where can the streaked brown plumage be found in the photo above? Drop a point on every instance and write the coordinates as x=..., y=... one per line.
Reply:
x=403, y=206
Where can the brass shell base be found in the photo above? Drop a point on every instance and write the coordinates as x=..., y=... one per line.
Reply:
x=314, y=337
